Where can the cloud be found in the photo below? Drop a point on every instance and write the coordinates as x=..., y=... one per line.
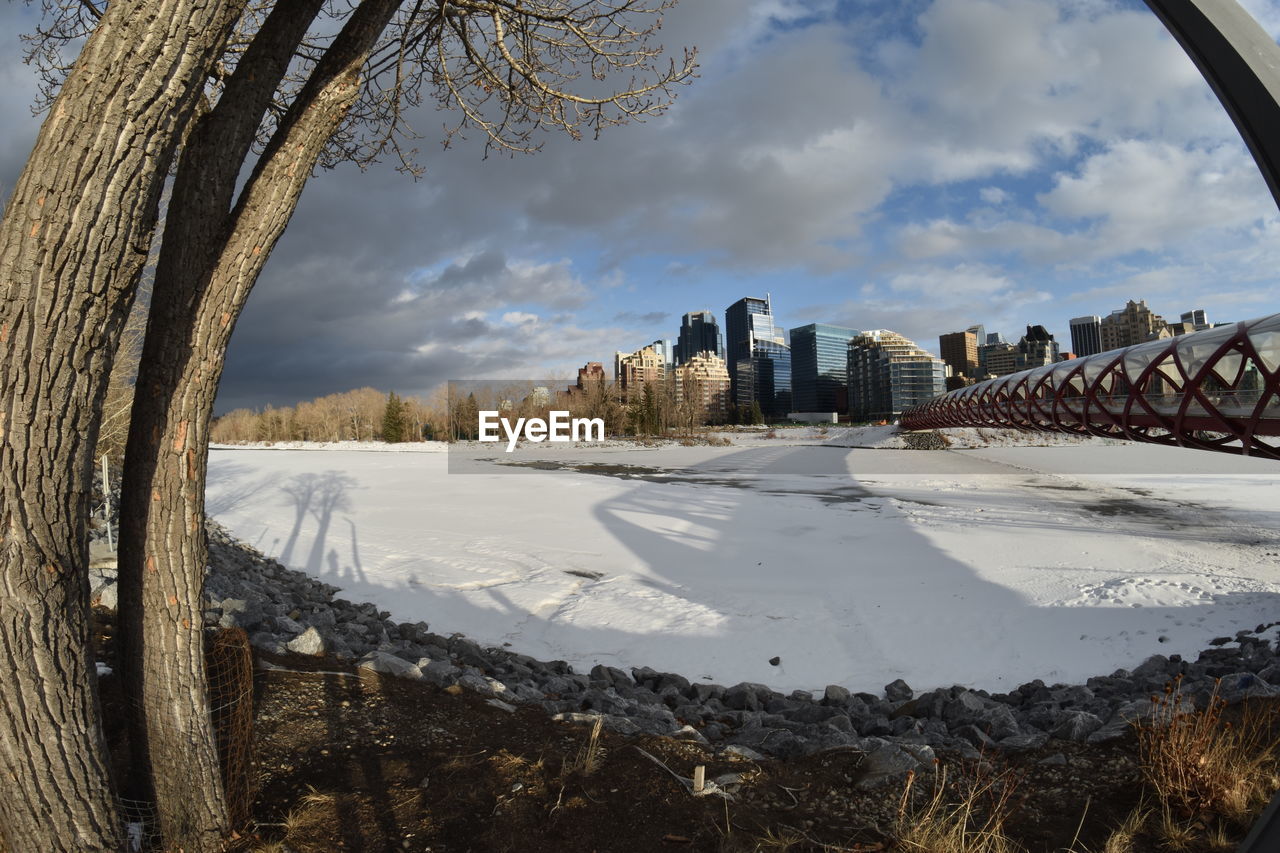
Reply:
x=649, y=318
x=993, y=195
x=1153, y=195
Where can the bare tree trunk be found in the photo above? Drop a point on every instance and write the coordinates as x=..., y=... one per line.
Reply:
x=201, y=287
x=72, y=243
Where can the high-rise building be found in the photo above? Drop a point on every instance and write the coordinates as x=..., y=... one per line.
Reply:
x=1037, y=348
x=632, y=371
x=1086, y=335
x=1132, y=324
x=702, y=383
x=665, y=352
x=888, y=374
x=1001, y=358
x=699, y=333
x=960, y=351
x=1196, y=317
x=737, y=332
x=765, y=378
x=819, y=367
x=759, y=359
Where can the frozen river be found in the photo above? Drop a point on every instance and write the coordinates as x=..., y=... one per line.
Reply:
x=985, y=567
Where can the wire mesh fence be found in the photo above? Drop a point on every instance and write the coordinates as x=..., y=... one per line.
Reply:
x=229, y=663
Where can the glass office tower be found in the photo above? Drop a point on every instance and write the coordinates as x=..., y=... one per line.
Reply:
x=738, y=333
x=699, y=333
x=819, y=374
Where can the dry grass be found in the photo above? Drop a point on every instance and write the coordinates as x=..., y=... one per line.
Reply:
x=1124, y=836
x=1201, y=766
x=590, y=757
x=971, y=819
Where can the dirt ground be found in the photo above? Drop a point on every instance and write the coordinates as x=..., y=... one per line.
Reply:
x=347, y=761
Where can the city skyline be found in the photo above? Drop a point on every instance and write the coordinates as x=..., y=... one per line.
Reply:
x=919, y=167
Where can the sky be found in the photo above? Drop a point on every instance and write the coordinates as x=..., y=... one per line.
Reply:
x=913, y=165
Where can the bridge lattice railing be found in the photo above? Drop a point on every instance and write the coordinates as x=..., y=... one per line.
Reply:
x=1217, y=389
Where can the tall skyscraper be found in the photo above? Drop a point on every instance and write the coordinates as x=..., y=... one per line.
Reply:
x=699, y=333
x=819, y=373
x=1086, y=335
x=759, y=359
x=738, y=333
x=960, y=350
x=888, y=374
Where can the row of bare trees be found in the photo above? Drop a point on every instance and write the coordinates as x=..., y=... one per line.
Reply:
x=658, y=408
x=349, y=416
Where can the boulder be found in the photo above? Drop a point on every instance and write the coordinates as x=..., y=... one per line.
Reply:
x=309, y=642
x=389, y=664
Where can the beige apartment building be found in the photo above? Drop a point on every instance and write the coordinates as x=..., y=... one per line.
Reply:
x=703, y=382
x=633, y=370
x=1132, y=324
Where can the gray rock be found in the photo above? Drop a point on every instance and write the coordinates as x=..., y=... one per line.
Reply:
x=898, y=691
x=1076, y=725
x=672, y=679
x=974, y=736
x=1024, y=741
x=885, y=764
x=389, y=664
x=107, y=596
x=967, y=707
x=604, y=701
x=691, y=734
x=610, y=676
x=745, y=696
x=1237, y=686
x=322, y=618
x=620, y=725
x=473, y=680
x=309, y=642
x=740, y=751
x=439, y=672
x=835, y=695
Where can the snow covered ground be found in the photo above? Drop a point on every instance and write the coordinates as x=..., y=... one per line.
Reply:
x=851, y=563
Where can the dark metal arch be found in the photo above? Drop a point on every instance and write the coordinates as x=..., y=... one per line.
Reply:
x=1241, y=63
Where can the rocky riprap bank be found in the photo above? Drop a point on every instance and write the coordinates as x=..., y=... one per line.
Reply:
x=286, y=611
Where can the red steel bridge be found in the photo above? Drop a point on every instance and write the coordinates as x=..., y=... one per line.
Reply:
x=1217, y=389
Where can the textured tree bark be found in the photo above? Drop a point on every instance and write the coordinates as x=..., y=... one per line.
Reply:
x=209, y=261
x=73, y=240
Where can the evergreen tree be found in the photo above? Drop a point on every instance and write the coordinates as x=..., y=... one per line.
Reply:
x=393, y=420
x=757, y=417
